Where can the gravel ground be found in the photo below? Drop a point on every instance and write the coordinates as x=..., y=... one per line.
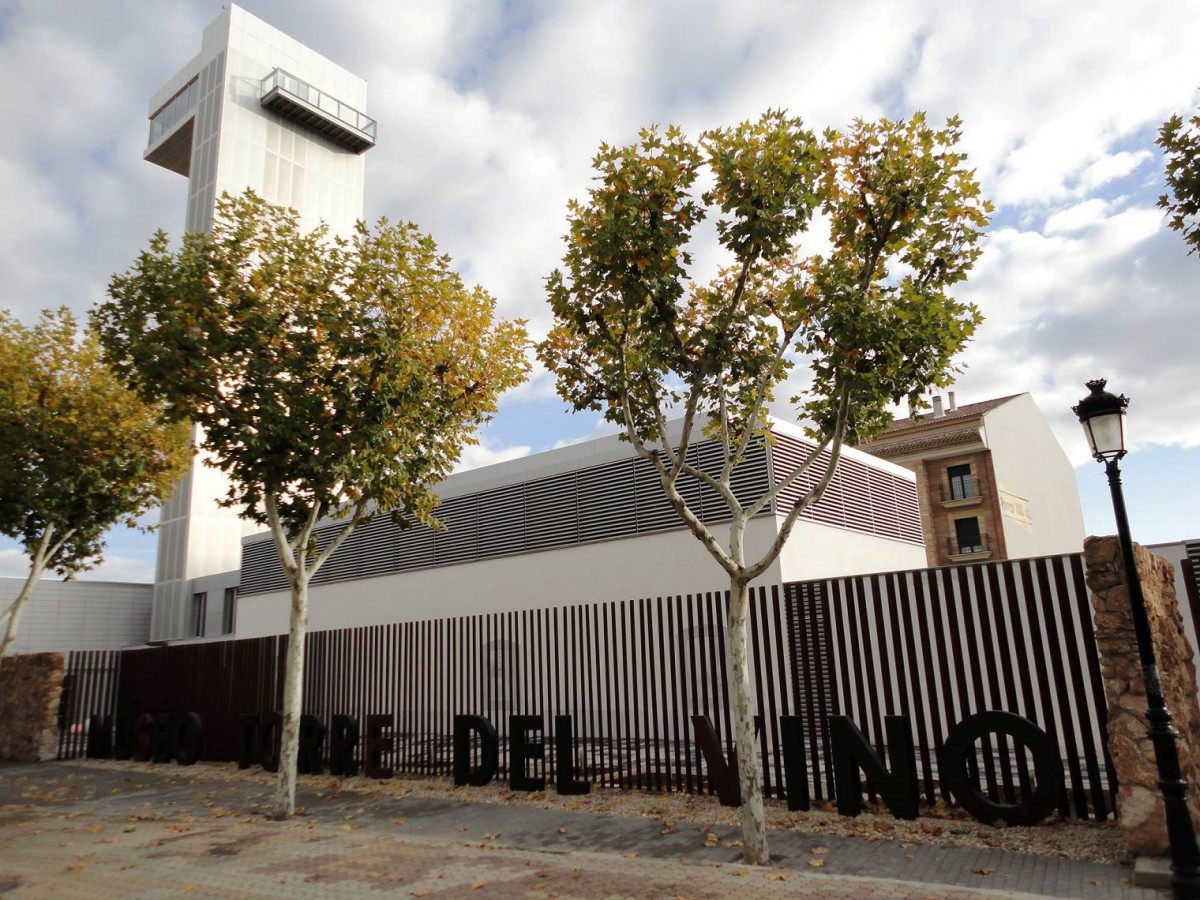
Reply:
x=1056, y=837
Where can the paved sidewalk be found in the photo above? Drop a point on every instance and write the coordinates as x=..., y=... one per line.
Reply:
x=78, y=830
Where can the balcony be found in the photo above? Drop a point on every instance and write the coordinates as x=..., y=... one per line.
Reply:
x=960, y=491
x=315, y=109
x=968, y=550
x=170, y=144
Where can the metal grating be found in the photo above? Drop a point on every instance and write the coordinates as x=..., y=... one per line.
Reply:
x=602, y=508
x=858, y=497
x=544, y=499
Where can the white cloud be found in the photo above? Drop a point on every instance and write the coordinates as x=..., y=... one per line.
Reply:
x=1110, y=167
x=1076, y=218
x=486, y=454
x=15, y=564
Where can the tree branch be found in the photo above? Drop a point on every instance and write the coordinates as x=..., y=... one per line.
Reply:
x=813, y=496
x=283, y=547
x=760, y=392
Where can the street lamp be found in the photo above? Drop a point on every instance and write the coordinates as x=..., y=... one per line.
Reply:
x=1102, y=416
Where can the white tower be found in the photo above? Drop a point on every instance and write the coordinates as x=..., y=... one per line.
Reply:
x=253, y=109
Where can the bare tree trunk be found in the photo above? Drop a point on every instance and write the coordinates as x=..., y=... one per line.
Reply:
x=754, y=823
x=283, y=804
x=36, y=567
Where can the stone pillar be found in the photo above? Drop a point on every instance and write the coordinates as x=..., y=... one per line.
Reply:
x=30, y=687
x=1139, y=801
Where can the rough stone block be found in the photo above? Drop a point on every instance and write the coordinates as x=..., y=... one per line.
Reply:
x=30, y=688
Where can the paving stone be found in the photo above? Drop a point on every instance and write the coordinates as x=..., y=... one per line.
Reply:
x=110, y=833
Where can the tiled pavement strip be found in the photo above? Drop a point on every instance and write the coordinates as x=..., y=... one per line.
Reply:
x=81, y=830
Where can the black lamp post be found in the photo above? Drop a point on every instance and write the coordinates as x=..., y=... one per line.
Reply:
x=1103, y=418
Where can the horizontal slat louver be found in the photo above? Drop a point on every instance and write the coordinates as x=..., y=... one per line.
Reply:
x=654, y=513
x=458, y=543
x=606, y=503
x=376, y=546
x=858, y=497
x=414, y=546
x=501, y=517
x=261, y=571
x=548, y=503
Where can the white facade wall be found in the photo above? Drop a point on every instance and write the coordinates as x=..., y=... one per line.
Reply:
x=826, y=551
x=1031, y=466
x=79, y=615
x=237, y=144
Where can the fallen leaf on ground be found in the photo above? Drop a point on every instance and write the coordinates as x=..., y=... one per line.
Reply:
x=632, y=854
x=983, y=870
x=819, y=851
x=816, y=863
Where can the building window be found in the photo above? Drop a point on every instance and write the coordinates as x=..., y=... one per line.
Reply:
x=962, y=484
x=199, y=610
x=228, y=610
x=969, y=538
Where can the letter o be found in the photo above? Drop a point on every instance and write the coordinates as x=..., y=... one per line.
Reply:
x=188, y=738
x=1047, y=768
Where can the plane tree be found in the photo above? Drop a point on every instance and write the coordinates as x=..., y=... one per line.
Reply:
x=80, y=451
x=328, y=377
x=864, y=322
x=1180, y=141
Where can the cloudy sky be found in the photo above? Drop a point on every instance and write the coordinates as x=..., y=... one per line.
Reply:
x=489, y=114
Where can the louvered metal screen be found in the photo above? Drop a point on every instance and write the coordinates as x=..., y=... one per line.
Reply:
x=858, y=497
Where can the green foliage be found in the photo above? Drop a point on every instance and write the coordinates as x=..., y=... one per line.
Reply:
x=80, y=451
x=328, y=375
x=873, y=317
x=1181, y=144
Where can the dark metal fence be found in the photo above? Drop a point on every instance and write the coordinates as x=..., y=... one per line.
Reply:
x=938, y=645
x=89, y=688
x=935, y=645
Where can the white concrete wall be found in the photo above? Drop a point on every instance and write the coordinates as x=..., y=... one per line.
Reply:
x=826, y=551
x=79, y=615
x=1031, y=465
